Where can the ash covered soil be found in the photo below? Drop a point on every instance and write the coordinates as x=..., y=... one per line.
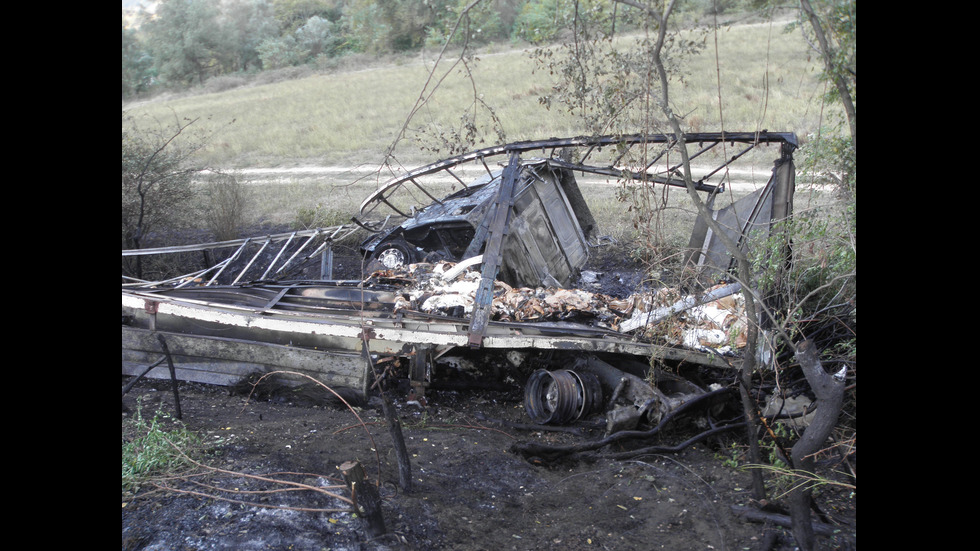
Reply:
x=469, y=490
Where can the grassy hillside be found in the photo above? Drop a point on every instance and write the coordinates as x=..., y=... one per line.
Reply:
x=765, y=77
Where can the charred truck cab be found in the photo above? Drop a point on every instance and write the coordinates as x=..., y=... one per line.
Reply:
x=530, y=222
x=546, y=243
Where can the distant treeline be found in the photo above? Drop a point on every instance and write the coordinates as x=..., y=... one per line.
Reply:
x=185, y=42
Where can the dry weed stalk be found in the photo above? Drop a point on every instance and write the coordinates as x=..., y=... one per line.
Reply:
x=215, y=491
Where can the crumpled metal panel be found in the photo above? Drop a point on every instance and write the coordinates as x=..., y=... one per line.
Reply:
x=748, y=218
x=545, y=245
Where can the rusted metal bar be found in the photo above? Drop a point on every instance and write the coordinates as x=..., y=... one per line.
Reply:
x=425, y=191
x=299, y=250
x=185, y=277
x=644, y=176
x=483, y=160
x=326, y=263
x=728, y=162
x=458, y=179
x=658, y=157
x=336, y=233
x=230, y=243
x=219, y=266
x=493, y=253
x=788, y=140
x=691, y=157
x=393, y=207
x=173, y=373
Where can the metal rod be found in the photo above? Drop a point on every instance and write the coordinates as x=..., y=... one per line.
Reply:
x=250, y=262
x=276, y=259
x=173, y=373
x=425, y=191
x=326, y=264
x=222, y=244
x=728, y=162
x=130, y=384
x=458, y=179
x=228, y=262
x=188, y=280
x=299, y=250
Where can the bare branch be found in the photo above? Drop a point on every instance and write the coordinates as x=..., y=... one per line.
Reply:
x=425, y=94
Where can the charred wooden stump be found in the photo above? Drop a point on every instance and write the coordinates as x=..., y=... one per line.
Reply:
x=366, y=499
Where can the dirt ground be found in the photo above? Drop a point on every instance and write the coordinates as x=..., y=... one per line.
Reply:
x=469, y=490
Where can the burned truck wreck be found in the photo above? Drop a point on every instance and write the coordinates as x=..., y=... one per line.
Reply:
x=477, y=284
x=547, y=241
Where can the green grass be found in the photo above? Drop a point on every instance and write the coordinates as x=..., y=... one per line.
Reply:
x=766, y=79
x=154, y=447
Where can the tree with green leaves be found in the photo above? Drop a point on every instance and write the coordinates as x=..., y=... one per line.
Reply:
x=137, y=65
x=483, y=22
x=833, y=24
x=293, y=14
x=245, y=24
x=279, y=52
x=185, y=40
x=316, y=37
x=377, y=26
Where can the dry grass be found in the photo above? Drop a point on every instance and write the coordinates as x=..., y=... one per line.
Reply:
x=351, y=116
x=764, y=77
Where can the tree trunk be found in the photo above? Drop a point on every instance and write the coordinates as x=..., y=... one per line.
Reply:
x=749, y=363
x=830, y=398
x=828, y=55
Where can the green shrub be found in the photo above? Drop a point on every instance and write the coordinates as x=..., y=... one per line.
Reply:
x=156, y=183
x=319, y=216
x=224, y=82
x=227, y=206
x=150, y=449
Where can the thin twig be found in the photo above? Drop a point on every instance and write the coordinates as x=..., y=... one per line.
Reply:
x=251, y=504
x=298, y=485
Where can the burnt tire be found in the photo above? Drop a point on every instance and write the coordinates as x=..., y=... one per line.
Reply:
x=562, y=396
x=391, y=255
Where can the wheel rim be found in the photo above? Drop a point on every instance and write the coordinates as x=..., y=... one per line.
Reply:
x=561, y=396
x=392, y=258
